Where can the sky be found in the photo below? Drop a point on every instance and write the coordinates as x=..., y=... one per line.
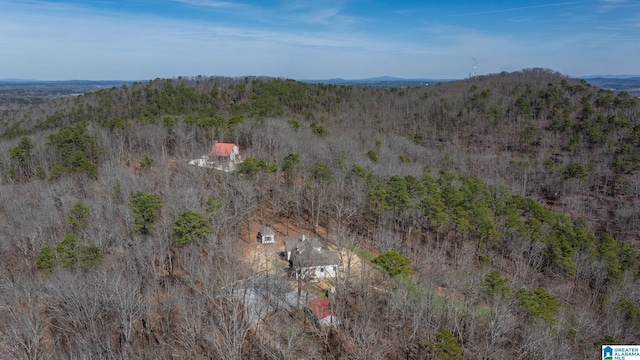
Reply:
x=314, y=39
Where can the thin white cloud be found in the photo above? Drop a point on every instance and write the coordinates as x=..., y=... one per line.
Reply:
x=612, y=5
x=209, y=3
x=75, y=42
x=519, y=8
x=330, y=14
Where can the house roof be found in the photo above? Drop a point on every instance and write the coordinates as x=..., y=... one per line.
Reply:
x=222, y=149
x=271, y=285
x=267, y=231
x=315, y=258
x=294, y=298
x=310, y=252
x=300, y=245
x=320, y=307
x=267, y=294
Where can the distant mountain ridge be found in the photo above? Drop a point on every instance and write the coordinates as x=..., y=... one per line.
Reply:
x=630, y=84
x=623, y=82
x=609, y=76
x=13, y=81
x=382, y=80
x=378, y=81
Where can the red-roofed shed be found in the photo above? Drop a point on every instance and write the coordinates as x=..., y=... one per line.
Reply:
x=321, y=309
x=225, y=156
x=224, y=150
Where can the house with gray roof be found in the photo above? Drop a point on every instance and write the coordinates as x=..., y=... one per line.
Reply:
x=268, y=294
x=310, y=259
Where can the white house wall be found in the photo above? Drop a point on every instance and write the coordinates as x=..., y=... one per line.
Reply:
x=329, y=271
x=267, y=239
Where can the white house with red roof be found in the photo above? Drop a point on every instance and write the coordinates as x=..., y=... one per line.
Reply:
x=224, y=152
x=223, y=156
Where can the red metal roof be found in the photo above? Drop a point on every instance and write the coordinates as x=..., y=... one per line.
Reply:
x=320, y=308
x=222, y=149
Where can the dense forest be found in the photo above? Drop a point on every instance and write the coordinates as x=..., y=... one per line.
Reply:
x=491, y=218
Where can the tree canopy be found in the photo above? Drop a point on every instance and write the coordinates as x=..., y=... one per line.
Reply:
x=189, y=226
x=145, y=209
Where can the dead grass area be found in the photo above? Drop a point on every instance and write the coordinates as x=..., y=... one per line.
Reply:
x=265, y=258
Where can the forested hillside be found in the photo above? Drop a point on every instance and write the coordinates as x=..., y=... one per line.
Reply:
x=493, y=218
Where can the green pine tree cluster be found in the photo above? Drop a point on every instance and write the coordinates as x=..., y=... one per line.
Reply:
x=69, y=253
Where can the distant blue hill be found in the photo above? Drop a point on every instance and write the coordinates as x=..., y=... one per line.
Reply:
x=628, y=83
x=11, y=81
x=611, y=77
x=378, y=81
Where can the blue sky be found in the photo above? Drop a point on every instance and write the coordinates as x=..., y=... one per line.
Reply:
x=316, y=39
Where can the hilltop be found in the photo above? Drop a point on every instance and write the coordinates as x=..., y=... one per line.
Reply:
x=491, y=217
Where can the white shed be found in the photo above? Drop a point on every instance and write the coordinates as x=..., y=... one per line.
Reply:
x=266, y=235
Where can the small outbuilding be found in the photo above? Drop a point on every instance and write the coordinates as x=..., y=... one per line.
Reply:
x=266, y=235
x=322, y=312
